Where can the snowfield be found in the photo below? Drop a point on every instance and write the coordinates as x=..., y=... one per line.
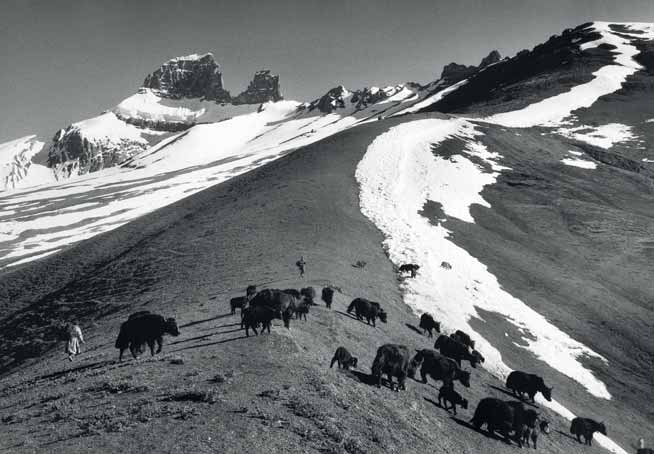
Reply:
x=16, y=167
x=604, y=136
x=398, y=175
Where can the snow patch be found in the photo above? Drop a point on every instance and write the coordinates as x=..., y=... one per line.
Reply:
x=604, y=136
x=579, y=163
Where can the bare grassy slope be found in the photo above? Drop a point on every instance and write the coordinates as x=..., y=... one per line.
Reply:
x=224, y=392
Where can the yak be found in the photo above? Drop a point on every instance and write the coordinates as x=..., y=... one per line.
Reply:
x=369, y=310
x=328, y=296
x=255, y=315
x=455, y=350
x=409, y=268
x=238, y=302
x=144, y=328
x=521, y=382
x=438, y=367
x=344, y=358
x=531, y=433
x=427, y=323
x=464, y=338
x=250, y=291
x=392, y=360
x=309, y=294
x=294, y=292
x=282, y=304
x=501, y=416
x=447, y=394
x=586, y=427
x=302, y=309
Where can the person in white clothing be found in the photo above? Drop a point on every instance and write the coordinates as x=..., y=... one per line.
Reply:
x=75, y=338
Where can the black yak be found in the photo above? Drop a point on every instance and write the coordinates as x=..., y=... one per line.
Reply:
x=309, y=294
x=255, y=315
x=392, y=360
x=294, y=292
x=521, y=382
x=455, y=350
x=447, y=394
x=369, y=310
x=438, y=367
x=238, y=302
x=409, y=268
x=282, y=304
x=586, y=427
x=344, y=359
x=464, y=338
x=501, y=416
x=427, y=323
x=479, y=358
x=328, y=296
x=250, y=291
x=531, y=433
x=144, y=328
x=302, y=309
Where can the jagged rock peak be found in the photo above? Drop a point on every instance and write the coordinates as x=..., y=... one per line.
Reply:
x=493, y=57
x=455, y=72
x=264, y=87
x=191, y=76
x=332, y=100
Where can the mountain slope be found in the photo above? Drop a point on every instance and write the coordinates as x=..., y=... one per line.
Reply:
x=187, y=260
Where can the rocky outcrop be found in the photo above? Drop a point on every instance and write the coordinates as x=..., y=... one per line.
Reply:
x=71, y=153
x=330, y=101
x=193, y=76
x=455, y=72
x=263, y=88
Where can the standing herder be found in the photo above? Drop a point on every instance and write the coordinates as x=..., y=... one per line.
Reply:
x=75, y=338
x=301, y=265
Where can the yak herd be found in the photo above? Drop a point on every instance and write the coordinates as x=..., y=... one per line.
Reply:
x=258, y=309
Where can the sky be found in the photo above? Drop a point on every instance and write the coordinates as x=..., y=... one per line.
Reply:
x=67, y=60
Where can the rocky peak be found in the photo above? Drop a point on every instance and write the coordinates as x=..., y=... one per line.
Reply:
x=332, y=100
x=493, y=57
x=264, y=87
x=192, y=76
x=455, y=72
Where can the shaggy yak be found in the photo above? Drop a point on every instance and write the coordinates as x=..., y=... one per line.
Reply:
x=369, y=310
x=255, y=315
x=531, y=433
x=282, y=304
x=292, y=291
x=409, y=268
x=521, y=382
x=238, y=302
x=438, y=367
x=504, y=417
x=328, y=296
x=392, y=360
x=250, y=291
x=427, y=323
x=447, y=394
x=309, y=294
x=586, y=427
x=464, y=338
x=455, y=350
x=144, y=328
x=302, y=309
x=344, y=359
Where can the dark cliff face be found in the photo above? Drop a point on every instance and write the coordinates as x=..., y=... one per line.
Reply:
x=330, y=101
x=264, y=87
x=189, y=77
x=455, y=72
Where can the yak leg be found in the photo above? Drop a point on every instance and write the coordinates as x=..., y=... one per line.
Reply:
x=151, y=345
x=423, y=374
x=400, y=382
x=159, y=344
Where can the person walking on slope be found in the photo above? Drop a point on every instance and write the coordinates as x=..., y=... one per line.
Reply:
x=301, y=264
x=75, y=337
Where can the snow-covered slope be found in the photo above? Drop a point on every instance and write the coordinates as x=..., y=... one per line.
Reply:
x=16, y=166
